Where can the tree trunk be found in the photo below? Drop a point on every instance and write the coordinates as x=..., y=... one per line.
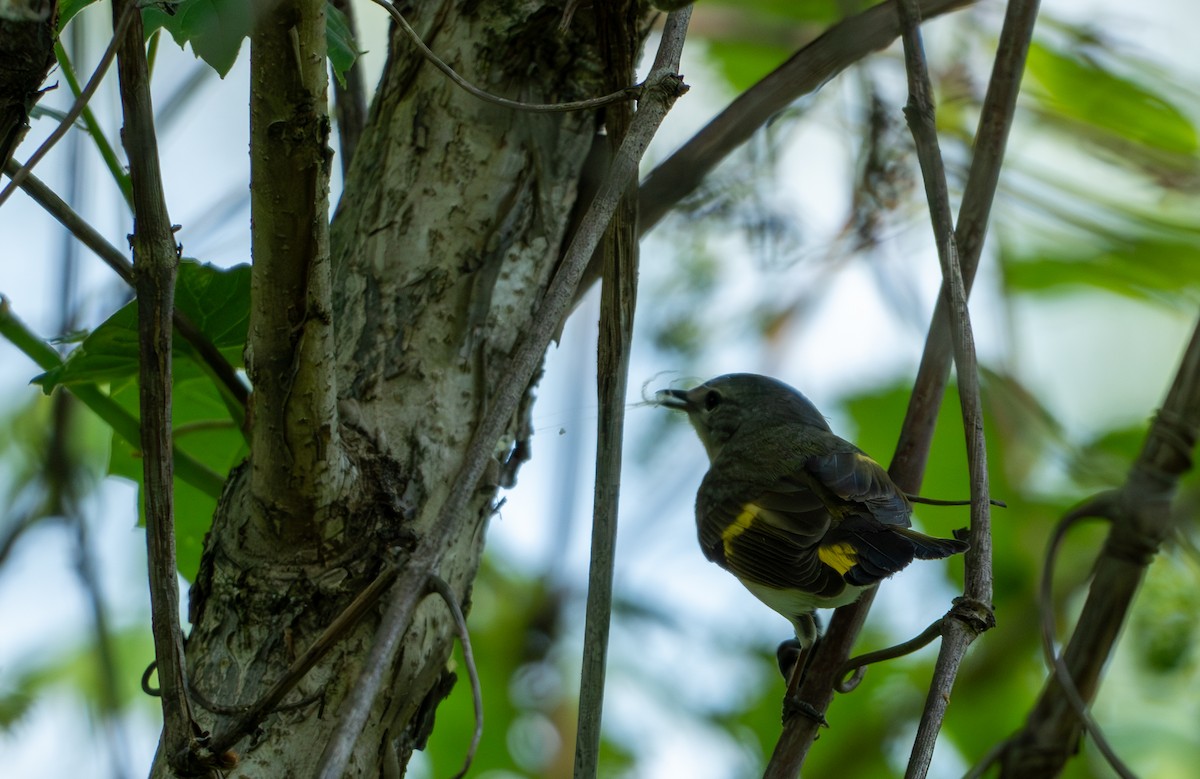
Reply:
x=445, y=238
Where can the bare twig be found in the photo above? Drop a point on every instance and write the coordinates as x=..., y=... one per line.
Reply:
x=619, y=257
x=629, y=93
x=115, y=167
x=222, y=372
x=958, y=634
x=1141, y=519
x=119, y=27
x=973, y=611
x=155, y=260
x=439, y=585
x=995, y=121
x=912, y=450
x=858, y=665
x=1104, y=506
x=663, y=87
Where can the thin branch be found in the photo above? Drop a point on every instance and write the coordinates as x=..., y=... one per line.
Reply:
x=222, y=372
x=439, y=585
x=991, y=138
x=937, y=502
x=628, y=93
x=119, y=27
x=912, y=449
x=107, y=153
x=663, y=87
x=839, y=47
x=618, y=300
x=1058, y=669
x=858, y=665
x=156, y=259
x=17, y=527
x=1141, y=521
x=958, y=634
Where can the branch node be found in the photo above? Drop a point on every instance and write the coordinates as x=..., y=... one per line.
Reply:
x=978, y=616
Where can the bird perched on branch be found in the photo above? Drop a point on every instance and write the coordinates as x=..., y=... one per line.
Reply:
x=803, y=518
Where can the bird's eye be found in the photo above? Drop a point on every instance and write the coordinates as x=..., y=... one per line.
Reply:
x=712, y=400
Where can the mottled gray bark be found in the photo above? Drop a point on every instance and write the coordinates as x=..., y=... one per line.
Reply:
x=446, y=236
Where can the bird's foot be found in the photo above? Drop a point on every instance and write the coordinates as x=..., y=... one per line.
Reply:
x=793, y=706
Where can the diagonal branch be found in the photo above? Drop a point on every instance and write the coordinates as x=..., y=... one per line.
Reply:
x=119, y=27
x=908, y=463
x=839, y=47
x=1141, y=517
x=664, y=86
x=155, y=262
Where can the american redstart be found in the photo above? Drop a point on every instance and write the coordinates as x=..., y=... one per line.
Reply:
x=803, y=518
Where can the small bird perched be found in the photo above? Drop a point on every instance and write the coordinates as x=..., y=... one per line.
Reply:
x=803, y=518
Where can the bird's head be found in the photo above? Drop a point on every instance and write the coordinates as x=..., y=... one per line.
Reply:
x=721, y=407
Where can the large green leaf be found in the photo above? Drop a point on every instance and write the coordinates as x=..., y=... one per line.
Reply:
x=216, y=29
x=339, y=38
x=216, y=300
x=218, y=303
x=203, y=430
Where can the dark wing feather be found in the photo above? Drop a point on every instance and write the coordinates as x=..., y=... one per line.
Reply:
x=838, y=519
x=855, y=482
x=758, y=544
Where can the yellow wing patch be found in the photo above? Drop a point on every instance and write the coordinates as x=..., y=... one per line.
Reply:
x=841, y=556
x=740, y=524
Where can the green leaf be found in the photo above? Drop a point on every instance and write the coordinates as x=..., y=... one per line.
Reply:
x=215, y=28
x=202, y=430
x=67, y=10
x=339, y=39
x=1081, y=89
x=216, y=300
x=1141, y=267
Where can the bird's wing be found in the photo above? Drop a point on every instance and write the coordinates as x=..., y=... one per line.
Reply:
x=853, y=483
x=770, y=539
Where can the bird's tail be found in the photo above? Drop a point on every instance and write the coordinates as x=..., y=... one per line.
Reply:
x=930, y=548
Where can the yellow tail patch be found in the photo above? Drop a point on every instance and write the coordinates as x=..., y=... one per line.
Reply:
x=841, y=556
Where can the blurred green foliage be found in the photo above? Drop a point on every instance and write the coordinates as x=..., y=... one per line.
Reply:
x=1114, y=115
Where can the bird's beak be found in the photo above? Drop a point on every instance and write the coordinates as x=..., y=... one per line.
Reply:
x=673, y=398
